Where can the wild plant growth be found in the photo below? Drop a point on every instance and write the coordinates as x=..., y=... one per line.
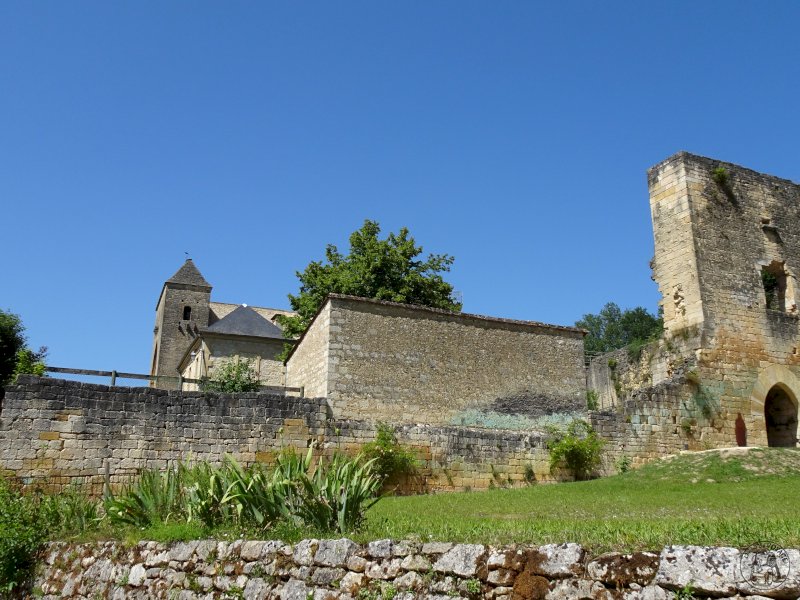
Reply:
x=325, y=496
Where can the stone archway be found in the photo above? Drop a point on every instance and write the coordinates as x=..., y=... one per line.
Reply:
x=780, y=416
x=774, y=407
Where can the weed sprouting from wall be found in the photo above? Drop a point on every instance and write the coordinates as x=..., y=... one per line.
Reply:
x=705, y=402
x=591, y=400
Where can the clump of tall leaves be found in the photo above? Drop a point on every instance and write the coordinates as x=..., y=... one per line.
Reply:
x=579, y=449
x=71, y=511
x=327, y=496
x=155, y=497
x=336, y=496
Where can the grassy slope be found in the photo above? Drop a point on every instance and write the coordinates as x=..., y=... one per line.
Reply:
x=714, y=498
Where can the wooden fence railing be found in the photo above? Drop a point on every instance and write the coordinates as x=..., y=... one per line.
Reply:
x=114, y=375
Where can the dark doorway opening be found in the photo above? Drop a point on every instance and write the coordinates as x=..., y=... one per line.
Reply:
x=780, y=413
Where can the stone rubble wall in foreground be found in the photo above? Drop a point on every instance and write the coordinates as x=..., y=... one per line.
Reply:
x=388, y=570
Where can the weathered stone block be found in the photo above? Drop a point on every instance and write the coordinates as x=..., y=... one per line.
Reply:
x=556, y=560
x=463, y=560
x=623, y=569
x=304, y=552
x=707, y=570
x=334, y=553
x=380, y=548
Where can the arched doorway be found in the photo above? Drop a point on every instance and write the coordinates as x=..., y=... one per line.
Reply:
x=780, y=415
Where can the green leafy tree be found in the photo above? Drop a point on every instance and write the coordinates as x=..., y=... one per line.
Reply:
x=15, y=357
x=388, y=269
x=613, y=328
x=30, y=363
x=233, y=376
x=12, y=340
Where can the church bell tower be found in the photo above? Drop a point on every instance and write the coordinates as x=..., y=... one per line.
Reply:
x=182, y=309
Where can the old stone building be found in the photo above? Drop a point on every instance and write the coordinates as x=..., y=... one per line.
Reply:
x=393, y=362
x=413, y=364
x=727, y=254
x=242, y=334
x=192, y=332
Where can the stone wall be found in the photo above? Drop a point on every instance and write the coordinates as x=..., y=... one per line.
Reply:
x=309, y=364
x=343, y=570
x=53, y=432
x=655, y=404
x=409, y=364
x=654, y=422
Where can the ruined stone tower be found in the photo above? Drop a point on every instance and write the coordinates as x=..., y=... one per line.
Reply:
x=182, y=309
x=727, y=255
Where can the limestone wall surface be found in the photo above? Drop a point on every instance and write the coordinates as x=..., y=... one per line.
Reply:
x=340, y=569
x=309, y=365
x=404, y=364
x=53, y=432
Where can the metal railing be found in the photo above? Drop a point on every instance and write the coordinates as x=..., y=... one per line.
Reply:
x=114, y=375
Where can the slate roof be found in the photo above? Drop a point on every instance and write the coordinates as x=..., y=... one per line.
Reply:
x=189, y=274
x=245, y=321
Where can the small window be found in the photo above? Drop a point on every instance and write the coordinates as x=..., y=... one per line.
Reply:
x=773, y=278
x=187, y=313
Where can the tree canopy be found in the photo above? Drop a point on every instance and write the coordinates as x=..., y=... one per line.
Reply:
x=12, y=340
x=15, y=356
x=384, y=269
x=613, y=328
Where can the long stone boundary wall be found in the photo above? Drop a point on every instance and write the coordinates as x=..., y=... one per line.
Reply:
x=55, y=432
x=406, y=570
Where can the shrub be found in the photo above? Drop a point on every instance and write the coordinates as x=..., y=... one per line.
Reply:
x=233, y=376
x=623, y=464
x=591, y=400
x=390, y=458
x=21, y=536
x=529, y=475
x=578, y=449
x=69, y=512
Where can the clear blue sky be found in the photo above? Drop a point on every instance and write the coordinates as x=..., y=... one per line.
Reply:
x=513, y=135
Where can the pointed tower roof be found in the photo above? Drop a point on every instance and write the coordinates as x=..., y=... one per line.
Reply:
x=189, y=274
x=245, y=321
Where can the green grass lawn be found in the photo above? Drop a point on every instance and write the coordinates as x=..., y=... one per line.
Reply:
x=713, y=498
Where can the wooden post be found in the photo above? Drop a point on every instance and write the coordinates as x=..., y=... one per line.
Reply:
x=113, y=378
x=107, y=480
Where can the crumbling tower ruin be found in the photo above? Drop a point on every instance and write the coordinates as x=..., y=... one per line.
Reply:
x=727, y=255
